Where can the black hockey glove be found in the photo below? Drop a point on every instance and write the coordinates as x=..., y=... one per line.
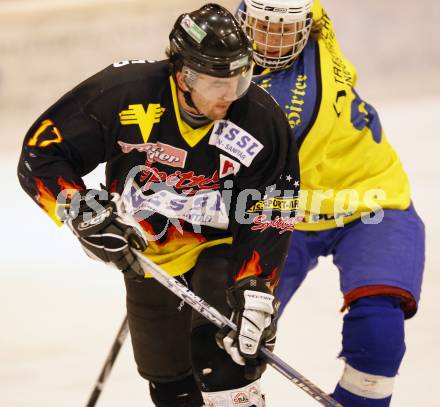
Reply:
x=107, y=234
x=253, y=310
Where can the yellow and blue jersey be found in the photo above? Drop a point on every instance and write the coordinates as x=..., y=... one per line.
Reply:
x=347, y=165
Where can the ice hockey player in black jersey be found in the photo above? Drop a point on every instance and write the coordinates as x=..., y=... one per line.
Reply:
x=201, y=176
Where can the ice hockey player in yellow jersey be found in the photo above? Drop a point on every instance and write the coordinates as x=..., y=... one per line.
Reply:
x=355, y=194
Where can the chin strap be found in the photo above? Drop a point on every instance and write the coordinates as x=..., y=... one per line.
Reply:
x=188, y=99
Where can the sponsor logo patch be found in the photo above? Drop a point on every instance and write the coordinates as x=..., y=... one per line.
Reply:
x=240, y=398
x=158, y=152
x=203, y=208
x=237, y=142
x=276, y=203
x=188, y=182
x=136, y=114
x=228, y=166
x=261, y=223
x=193, y=30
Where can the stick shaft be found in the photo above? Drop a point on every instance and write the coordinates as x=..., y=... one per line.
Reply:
x=220, y=320
x=108, y=364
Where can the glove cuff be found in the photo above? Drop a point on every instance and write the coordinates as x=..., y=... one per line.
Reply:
x=252, y=283
x=91, y=212
x=258, y=301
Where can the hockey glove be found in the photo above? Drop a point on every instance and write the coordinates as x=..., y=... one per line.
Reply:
x=253, y=310
x=107, y=234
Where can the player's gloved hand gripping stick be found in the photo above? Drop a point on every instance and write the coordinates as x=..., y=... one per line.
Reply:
x=254, y=310
x=106, y=233
x=113, y=236
x=221, y=321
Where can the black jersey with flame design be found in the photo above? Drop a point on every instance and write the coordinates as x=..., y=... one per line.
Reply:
x=233, y=181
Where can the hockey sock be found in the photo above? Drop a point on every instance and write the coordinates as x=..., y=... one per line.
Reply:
x=373, y=347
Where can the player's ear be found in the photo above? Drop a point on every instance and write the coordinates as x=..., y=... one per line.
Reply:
x=181, y=82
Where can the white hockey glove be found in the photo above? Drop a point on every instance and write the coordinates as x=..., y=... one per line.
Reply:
x=253, y=310
x=107, y=234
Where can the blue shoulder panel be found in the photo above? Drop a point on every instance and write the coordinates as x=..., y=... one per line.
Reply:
x=296, y=89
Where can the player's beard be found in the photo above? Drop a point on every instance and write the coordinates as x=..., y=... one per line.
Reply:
x=212, y=110
x=218, y=112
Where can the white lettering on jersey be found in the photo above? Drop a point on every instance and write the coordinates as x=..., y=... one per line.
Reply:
x=235, y=141
x=120, y=64
x=203, y=208
x=228, y=166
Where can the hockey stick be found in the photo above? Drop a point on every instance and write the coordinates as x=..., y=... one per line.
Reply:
x=220, y=320
x=106, y=369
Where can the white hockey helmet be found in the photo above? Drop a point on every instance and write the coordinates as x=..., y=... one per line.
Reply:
x=279, y=28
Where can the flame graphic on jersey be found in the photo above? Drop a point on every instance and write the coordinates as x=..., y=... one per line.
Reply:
x=46, y=199
x=175, y=239
x=68, y=189
x=113, y=186
x=251, y=268
x=273, y=279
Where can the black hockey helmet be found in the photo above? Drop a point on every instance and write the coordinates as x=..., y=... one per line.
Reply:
x=210, y=41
